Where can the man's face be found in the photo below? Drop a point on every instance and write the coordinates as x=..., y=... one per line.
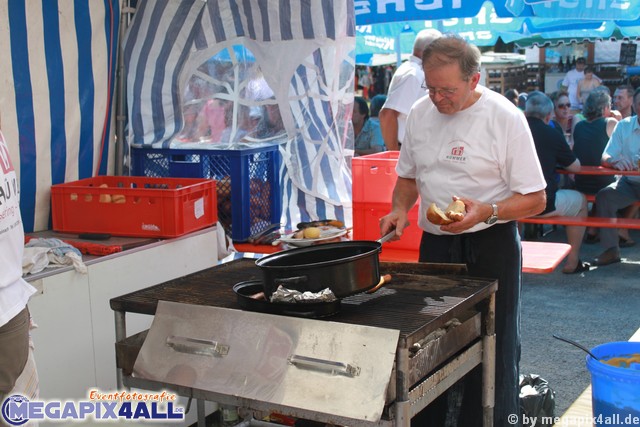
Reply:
x=448, y=90
x=580, y=66
x=621, y=99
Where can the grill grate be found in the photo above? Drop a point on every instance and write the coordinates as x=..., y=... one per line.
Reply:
x=414, y=304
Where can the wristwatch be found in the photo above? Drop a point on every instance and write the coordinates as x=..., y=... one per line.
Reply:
x=494, y=216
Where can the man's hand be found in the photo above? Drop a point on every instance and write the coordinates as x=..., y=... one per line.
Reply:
x=476, y=213
x=622, y=164
x=393, y=220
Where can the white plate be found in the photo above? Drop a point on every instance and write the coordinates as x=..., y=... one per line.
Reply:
x=327, y=232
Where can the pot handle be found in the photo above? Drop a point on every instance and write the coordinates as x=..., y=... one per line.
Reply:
x=387, y=236
x=324, y=365
x=290, y=280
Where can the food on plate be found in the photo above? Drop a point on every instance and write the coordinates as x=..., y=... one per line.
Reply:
x=320, y=223
x=454, y=212
x=311, y=233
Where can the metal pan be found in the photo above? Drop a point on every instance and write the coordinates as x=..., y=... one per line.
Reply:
x=347, y=268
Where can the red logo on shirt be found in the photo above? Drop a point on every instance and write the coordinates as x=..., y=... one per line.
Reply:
x=457, y=151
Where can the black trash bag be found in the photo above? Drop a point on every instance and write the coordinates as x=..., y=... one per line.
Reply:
x=537, y=401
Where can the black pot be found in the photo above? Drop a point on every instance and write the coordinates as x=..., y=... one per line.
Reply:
x=346, y=268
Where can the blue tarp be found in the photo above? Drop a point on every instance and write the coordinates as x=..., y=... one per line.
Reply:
x=378, y=11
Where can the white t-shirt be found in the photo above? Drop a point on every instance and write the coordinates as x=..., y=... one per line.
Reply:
x=14, y=291
x=405, y=89
x=571, y=80
x=485, y=152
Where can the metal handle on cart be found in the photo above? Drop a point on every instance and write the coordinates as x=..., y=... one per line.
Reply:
x=330, y=366
x=197, y=346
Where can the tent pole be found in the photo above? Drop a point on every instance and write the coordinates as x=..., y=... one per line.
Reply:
x=121, y=95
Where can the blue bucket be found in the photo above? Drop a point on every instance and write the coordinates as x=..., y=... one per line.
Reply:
x=615, y=390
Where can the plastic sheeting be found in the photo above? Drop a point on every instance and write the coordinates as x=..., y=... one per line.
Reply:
x=270, y=71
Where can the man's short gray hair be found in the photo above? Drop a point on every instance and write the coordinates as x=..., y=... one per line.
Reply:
x=423, y=39
x=538, y=105
x=453, y=49
x=595, y=104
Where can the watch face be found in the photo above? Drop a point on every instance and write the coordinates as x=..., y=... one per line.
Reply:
x=492, y=219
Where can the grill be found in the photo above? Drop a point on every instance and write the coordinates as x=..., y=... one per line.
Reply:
x=444, y=322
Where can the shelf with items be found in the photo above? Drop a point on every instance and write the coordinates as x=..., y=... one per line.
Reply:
x=501, y=79
x=612, y=74
x=535, y=76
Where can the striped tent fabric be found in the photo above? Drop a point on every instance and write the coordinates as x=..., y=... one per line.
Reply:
x=305, y=51
x=58, y=69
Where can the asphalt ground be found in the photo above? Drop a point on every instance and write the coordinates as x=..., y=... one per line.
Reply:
x=594, y=307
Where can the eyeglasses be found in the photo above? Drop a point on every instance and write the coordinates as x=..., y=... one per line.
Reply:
x=445, y=92
x=567, y=105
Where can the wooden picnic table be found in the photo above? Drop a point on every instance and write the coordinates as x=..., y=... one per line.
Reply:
x=598, y=171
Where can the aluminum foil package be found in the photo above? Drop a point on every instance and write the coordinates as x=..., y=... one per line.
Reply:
x=283, y=294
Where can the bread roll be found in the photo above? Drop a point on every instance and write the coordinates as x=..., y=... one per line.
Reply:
x=454, y=212
x=118, y=198
x=436, y=216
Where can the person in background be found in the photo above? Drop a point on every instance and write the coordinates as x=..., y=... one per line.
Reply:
x=368, y=138
x=467, y=141
x=553, y=151
x=590, y=138
x=623, y=101
x=587, y=84
x=375, y=106
x=407, y=86
x=18, y=374
x=562, y=118
x=622, y=153
x=512, y=95
x=570, y=83
x=522, y=100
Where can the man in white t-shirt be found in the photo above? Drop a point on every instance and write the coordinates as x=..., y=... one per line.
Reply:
x=406, y=87
x=467, y=141
x=570, y=84
x=15, y=358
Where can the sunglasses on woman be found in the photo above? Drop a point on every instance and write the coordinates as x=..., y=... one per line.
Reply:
x=567, y=105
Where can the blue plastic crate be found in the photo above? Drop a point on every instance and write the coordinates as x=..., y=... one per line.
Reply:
x=249, y=196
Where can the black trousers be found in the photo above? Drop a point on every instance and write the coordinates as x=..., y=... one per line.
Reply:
x=494, y=253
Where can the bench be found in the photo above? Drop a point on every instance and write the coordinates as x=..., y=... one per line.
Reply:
x=596, y=222
x=537, y=257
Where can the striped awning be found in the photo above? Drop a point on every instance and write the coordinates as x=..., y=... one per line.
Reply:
x=58, y=68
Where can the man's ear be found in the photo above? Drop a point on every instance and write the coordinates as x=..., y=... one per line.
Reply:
x=475, y=79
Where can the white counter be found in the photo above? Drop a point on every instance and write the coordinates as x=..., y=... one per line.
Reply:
x=74, y=341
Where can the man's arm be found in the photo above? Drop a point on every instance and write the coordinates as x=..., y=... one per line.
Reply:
x=574, y=167
x=512, y=208
x=389, y=127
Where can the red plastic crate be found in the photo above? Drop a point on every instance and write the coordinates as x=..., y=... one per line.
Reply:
x=152, y=207
x=374, y=177
x=366, y=225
